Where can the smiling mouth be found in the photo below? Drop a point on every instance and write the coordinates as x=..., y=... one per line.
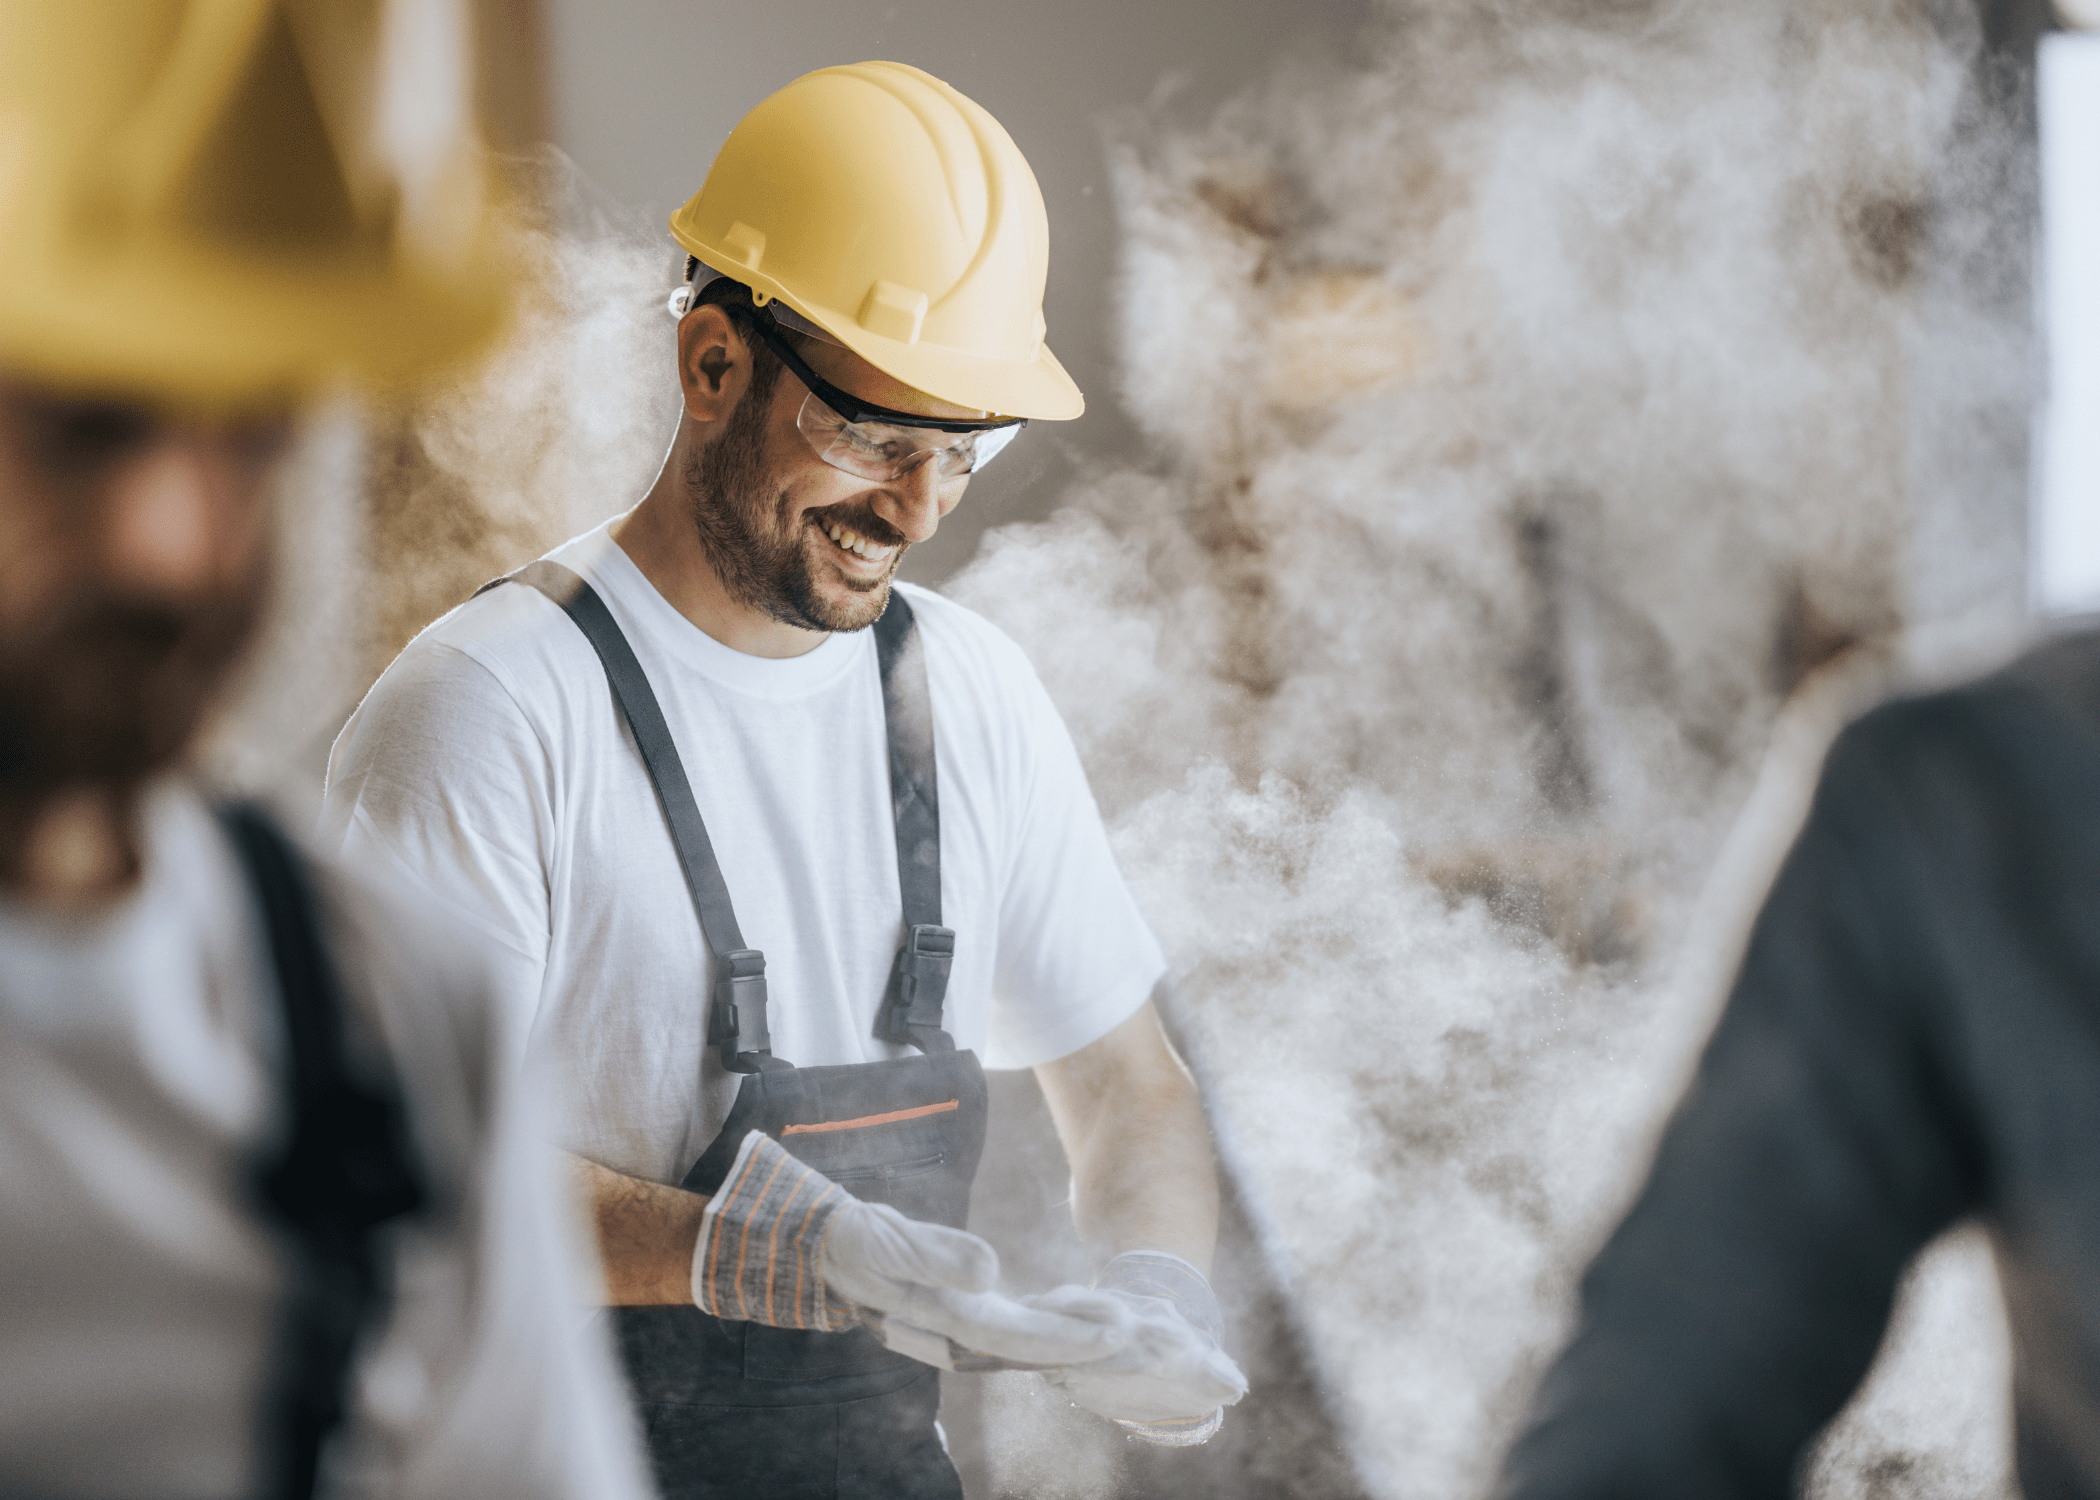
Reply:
x=847, y=540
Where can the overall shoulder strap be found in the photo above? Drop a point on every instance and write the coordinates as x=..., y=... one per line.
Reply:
x=912, y=1007
x=918, y=990
x=344, y=1169
x=737, y=1016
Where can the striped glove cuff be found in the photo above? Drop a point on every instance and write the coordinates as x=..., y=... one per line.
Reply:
x=761, y=1245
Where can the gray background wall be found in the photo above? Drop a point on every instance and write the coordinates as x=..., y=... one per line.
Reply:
x=645, y=90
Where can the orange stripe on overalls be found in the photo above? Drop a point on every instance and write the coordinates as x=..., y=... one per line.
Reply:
x=866, y=1120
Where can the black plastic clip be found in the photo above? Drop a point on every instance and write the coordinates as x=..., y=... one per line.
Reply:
x=736, y=1022
x=911, y=1011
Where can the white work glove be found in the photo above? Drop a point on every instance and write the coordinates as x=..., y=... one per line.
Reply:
x=781, y=1243
x=1171, y=1382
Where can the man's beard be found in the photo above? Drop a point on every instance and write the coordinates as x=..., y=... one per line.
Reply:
x=757, y=548
x=110, y=688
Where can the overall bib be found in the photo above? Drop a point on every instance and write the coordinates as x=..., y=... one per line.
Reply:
x=738, y=1409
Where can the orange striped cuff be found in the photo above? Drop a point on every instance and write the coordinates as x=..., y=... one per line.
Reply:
x=760, y=1253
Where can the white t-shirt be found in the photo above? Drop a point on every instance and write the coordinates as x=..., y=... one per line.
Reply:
x=491, y=766
x=141, y=1296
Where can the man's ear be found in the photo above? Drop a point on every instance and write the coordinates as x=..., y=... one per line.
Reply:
x=714, y=363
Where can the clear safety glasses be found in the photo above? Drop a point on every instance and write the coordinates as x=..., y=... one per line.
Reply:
x=874, y=442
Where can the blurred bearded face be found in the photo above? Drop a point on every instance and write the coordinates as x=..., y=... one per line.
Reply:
x=133, y=554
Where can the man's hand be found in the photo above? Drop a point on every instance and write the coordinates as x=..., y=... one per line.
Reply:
x=932, y=1285
x=782, y=1244
x=1171, y=1381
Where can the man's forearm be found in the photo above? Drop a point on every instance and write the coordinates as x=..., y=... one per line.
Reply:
x=646, y=1232
x=1144, y=1176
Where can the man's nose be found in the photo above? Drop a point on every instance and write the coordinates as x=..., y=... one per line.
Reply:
x=912, y=501
x=175, y=515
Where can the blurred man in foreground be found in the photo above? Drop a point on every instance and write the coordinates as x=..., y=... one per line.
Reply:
x=264, y=1222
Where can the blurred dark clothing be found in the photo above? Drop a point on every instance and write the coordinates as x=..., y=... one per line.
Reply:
x=1914, y=1037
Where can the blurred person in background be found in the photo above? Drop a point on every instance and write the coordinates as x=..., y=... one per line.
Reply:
x=823, y=842
x=1913, y=1038
x=268, y=1222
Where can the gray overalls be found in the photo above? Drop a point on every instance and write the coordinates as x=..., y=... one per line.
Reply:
x=745, y=1409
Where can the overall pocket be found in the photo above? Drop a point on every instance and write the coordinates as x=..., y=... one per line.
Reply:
x=916, y=1185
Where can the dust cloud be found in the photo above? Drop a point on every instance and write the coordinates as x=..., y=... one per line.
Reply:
x=562, y=426
x=401, y=507
x=1535, y=409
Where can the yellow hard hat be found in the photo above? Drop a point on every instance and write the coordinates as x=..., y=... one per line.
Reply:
x=207, y=202
x=899, y=217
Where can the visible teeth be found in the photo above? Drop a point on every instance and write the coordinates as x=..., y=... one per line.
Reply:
x=855, y=543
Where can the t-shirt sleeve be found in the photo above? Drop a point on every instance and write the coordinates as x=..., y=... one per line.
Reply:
x=1076, y=957
x=441, y=787
x=1821, y=1146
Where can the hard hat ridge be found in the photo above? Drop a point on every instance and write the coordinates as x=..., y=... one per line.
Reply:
x=181, y=153
x=897, y=215
x=233, y=161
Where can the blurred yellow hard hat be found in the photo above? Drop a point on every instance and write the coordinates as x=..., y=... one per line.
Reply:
x=222, y=201
x=899, y=217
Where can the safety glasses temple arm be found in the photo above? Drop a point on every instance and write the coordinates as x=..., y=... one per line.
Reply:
x=851, y=407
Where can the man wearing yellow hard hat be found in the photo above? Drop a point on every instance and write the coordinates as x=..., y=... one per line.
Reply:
x=268, y=1224
x=779, y=847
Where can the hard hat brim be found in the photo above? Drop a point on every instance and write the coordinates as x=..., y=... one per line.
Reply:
x=1036, y=388
x=205, y=333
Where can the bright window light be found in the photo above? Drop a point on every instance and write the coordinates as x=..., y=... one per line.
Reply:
x=2066, y=569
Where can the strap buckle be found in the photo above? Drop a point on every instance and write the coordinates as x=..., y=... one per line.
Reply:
x=911, y=1011
x=736, y=1021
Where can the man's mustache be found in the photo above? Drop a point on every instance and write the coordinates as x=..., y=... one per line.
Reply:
x=861, y=519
